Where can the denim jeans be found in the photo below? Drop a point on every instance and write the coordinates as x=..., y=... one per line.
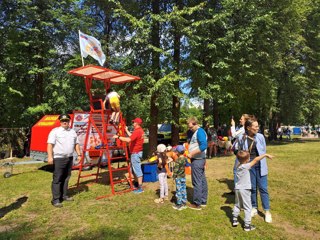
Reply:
x=199, y=181
x=260, y=182
x=136, y=163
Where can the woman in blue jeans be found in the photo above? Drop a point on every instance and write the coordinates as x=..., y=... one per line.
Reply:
x=255, y=143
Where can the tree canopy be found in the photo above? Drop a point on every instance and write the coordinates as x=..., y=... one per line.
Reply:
x=232, y=56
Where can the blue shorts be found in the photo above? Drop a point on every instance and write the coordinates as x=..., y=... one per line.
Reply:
x=136, y=164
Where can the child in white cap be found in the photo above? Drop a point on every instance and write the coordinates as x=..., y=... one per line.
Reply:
x=162, y=173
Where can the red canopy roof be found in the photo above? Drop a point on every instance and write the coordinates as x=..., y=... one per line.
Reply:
x=101, y=73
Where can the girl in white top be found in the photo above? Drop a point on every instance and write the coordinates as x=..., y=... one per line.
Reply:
x=235, y=134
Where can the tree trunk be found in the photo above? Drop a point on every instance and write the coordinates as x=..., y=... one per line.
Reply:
x=10, y=150
x=275, y=120
x=206, y=111
x=39, y=87
x=175, y=117
x=215, y=114
x=273, y=126
x=107, y=31
x=154, y=110
x=176, y=100
x=153, y=127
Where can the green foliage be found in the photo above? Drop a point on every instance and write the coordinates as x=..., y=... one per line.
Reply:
x=239, y=56
x=311, y=105
x=36, y=43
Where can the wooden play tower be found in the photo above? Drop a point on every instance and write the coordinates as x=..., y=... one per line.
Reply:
x=98, y=121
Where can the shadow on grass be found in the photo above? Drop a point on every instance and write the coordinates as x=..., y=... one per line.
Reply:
x=189, y=195
x=228, y=212
x=73, y=190
x=13, y=206
x=47, y=168
x=229, y=196
x=104, y=233
x=228, y=182
x=104, y=176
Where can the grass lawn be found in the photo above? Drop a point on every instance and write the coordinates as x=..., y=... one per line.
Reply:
x=294, y=177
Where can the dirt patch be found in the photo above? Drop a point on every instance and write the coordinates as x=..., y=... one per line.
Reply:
x=296, y=232
x=7, y=228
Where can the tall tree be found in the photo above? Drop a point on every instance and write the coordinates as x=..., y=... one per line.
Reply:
x=311, y=60
x=177, y=35
x=36, y=43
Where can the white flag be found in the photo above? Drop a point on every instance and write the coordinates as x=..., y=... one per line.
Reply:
x=91, y=46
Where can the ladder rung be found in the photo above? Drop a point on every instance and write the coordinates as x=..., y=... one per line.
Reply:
x=85, y=165
x=123, y=191
x=111, y=147
x=120, y=169
x=115, y=147
x=88, y=175
x=115, y=158
x=120, y=181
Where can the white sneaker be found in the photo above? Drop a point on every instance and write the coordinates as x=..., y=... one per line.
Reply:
x=254, y=212
x=268, y=217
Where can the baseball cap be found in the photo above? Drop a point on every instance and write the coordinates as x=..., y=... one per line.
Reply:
x=169, y=148
x=64, y=117
x=137, y=120
x=161, y=148
x=180, y=149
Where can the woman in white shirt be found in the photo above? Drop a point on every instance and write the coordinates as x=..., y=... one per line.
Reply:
x=236, y=135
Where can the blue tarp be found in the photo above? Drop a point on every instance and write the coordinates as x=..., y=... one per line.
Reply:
x=296, y=131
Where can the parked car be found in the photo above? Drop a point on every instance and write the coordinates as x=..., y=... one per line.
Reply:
x=164, y=134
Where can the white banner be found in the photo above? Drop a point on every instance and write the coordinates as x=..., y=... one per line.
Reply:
x=91, y=46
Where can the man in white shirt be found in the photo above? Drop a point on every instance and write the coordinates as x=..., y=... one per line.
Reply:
x=62, y=141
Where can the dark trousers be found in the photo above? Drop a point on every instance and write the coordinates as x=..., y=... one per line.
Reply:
x=61, y=175
x=199, y=181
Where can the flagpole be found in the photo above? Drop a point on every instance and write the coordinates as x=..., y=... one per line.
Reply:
x=80, y=50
